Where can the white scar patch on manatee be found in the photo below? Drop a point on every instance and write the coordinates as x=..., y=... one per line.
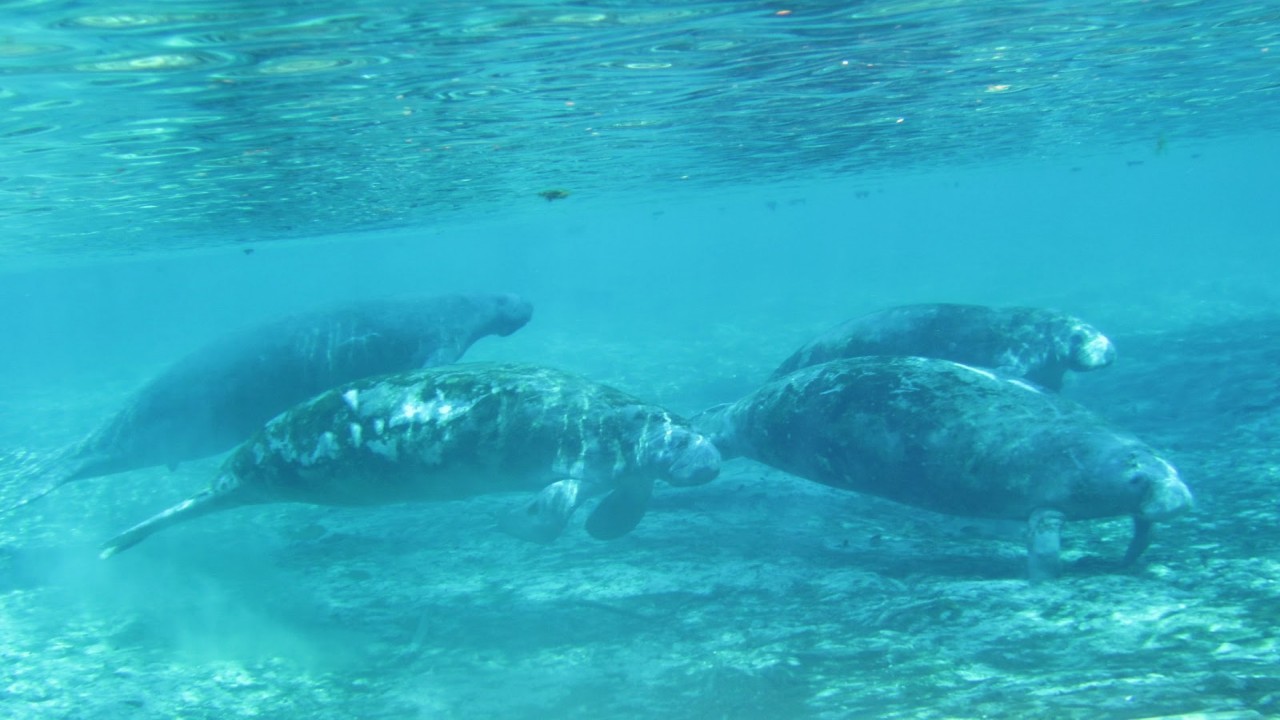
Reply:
x=668, y=427
x=619, y=461
x=576, y=465
x=326, y=448
x=282, y=449
x=1097, y=349
x=668, y=430
x=410, y=412
x=386, y=409
x=438, y=410
x=661, y=435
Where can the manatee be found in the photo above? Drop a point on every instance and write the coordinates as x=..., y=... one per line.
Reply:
x=219, y=395
x=1039, y=345
x=954, y=439
x=459, y=431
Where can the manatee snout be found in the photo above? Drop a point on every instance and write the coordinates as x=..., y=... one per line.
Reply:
x=694, y=460
x=1090, y=349
x=1166, y=495
x=1138, y=482
x=511, y=314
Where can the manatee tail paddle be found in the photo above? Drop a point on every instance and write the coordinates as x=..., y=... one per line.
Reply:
x=202, y=503
x=31, y=497
x=620, y=511
x=46, y=475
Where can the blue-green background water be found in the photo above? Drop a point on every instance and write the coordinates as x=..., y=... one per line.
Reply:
x=741, y=176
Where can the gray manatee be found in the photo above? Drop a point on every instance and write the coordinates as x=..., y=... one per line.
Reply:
x=1039, y=345
x=953, y=439
x=459, y=431
x=216, y=397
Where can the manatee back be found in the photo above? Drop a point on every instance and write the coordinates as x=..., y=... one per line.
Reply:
x=906, y=330
x=220, y=395
x=1022, y=342
x=449, y=432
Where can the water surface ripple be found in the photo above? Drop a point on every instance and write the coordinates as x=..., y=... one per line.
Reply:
x=201, y=122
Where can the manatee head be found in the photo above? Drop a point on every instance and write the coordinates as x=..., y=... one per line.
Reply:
x=1128, y=477
x=446, y=326
x=508, y=313
x=1083, y=347
x=686, y=457
x=1164, y=494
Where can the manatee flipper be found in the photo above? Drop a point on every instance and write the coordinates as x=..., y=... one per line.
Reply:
x=202, y=503
x=1141, y=539
x=1044, y=541
x=543, y=518
x=620, y=511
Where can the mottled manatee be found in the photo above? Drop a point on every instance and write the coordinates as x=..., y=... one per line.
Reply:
x=953, y=439
x=458, y=431
x=1039, y=345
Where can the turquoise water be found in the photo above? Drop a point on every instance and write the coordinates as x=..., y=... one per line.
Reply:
x=154, y=126
x=739, y=177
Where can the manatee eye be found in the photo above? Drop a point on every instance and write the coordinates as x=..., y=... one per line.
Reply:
x=1137, y=479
